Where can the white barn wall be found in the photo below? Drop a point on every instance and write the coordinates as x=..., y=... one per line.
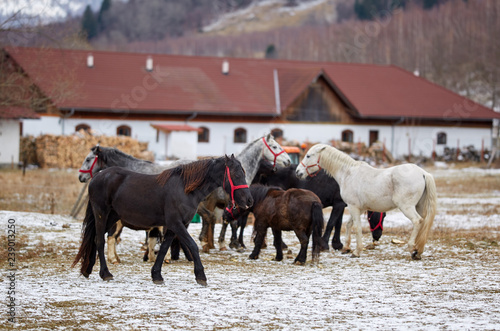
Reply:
x=221, y=135
x=182, y=145
x=9, y=141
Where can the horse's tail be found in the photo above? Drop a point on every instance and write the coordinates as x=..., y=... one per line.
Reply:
x=317, y=228
x=426, y=208
x=88, y=247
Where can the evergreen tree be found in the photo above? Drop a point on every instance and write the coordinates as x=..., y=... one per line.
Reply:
x=369, y=9
x=428, y=4
x=105, y=6
x=89, y=23
x=271, y=51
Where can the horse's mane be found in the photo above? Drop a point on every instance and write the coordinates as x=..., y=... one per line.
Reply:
x=259, y=191
x=108, y=152
x=333, y=159
x=250, y=145
x=193, y=174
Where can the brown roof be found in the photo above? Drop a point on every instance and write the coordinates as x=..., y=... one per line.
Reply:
x=17, y=113
x=187, y=84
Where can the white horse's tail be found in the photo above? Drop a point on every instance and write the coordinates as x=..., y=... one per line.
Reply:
x=426, y=208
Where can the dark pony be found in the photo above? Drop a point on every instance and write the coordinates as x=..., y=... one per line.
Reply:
x=285, y=178
x=292, y=210
x=142, y=201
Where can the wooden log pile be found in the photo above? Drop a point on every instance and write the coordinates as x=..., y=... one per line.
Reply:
x=52, y=151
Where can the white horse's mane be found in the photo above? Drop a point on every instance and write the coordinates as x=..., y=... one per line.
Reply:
x=332, y=160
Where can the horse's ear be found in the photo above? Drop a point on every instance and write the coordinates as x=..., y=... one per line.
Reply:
x=269, y=136
x=322, y=149
x=96, y=149
x=232, y=156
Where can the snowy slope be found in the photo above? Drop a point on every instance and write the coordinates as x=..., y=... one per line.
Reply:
x=45, y=11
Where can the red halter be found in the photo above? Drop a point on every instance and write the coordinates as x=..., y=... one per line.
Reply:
x=233, y=188
x=275, y=155
x=379, y=224
x=230, y=211
x=312, y=165
x=91, y=168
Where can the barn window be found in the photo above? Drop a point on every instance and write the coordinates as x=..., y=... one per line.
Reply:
x=277, y=133
x=441, y=138
x=124, y=130
x=203, y=135
x=83, y=127
x=348, y=136
x=240, y=135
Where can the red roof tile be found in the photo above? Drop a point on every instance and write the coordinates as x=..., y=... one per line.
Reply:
x=17, y=113
x=185, y=84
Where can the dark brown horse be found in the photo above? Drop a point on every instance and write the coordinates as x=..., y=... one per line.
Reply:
x=295, y=210
x=143, y=201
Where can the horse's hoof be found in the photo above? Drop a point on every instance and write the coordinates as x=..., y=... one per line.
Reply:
x=107, y=278
x=298, y=263
x=202, y=282
x=354, y=255
x=337, y=247
x=205, y=249
x=240, y=250
x=167, y=261
x=346, y=251
x=85, y=274
x=223, y=249
x=253, y=257
x=323, y=246
x=415, y=256
x=158, y=281
x=370, y=246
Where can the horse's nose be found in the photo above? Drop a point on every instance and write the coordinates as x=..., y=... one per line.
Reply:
x=298, y=173
x=249, y=202
x=376, y=234
x=81, y=178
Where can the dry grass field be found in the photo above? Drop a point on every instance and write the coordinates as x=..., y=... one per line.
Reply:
x=455, y=286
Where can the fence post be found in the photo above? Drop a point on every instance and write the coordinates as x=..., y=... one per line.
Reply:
x=74, y=210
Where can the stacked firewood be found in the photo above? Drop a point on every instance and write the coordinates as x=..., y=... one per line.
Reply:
x=51, y=151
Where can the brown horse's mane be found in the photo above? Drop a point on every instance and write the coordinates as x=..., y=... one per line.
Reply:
x=193, y=174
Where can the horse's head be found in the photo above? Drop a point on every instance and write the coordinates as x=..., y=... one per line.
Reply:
x=231, y=214
x=310, y=164
x=90, y=165
x=235, y=184
x=376, y=221
x=273, y=152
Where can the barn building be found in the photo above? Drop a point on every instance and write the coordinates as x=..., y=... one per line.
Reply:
x=10, y=125
x=188, y=106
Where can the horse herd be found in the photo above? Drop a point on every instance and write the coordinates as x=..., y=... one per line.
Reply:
x=125, y=191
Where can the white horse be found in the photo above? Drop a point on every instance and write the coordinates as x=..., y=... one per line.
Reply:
x=363, y=187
